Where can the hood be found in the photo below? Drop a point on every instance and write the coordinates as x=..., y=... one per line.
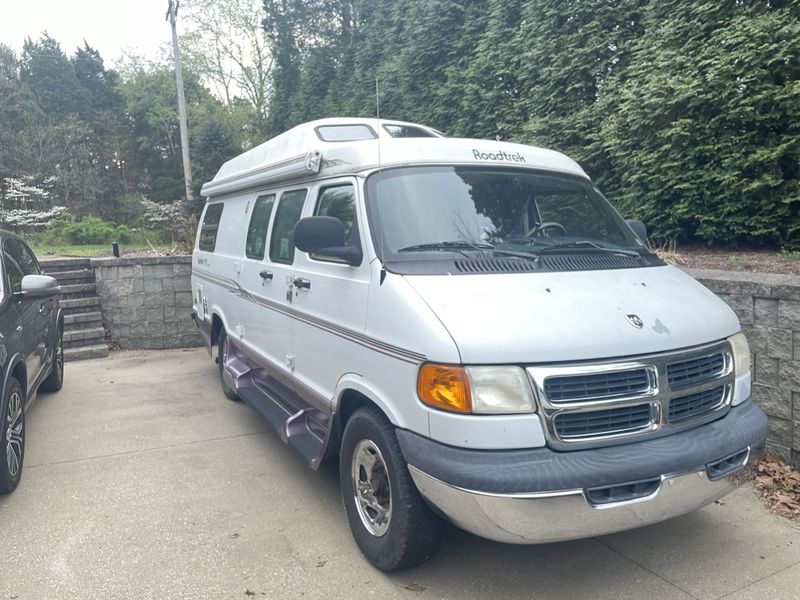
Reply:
x=556, y=317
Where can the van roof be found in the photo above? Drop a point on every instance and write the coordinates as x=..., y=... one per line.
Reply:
x=365, y=144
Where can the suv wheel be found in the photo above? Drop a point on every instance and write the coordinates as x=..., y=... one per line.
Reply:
x=12, y=436
x=55, y=380
x=391, y=523
x=222, y=341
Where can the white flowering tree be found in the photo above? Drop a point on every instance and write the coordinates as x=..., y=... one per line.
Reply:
x=25, y=206
x=172, y=218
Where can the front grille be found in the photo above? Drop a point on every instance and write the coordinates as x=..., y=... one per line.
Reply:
x=695, y=371
x=571, y=425
x=597, y=385
x=583, y=404
x=695, y=405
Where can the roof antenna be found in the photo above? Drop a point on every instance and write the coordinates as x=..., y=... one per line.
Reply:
x=378, y=119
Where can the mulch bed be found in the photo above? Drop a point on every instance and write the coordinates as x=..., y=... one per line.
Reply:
x=734, y=259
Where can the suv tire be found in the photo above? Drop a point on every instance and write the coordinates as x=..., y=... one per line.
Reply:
x=391, y=523
x=12, y=436
x=55, y=380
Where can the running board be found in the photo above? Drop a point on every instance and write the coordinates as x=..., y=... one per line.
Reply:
x=297, y=434
x=301, y=431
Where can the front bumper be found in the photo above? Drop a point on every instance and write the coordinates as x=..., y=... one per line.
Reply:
x=537, y=496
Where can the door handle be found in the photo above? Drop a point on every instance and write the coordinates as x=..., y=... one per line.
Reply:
x=302, y=284
x=266, y=275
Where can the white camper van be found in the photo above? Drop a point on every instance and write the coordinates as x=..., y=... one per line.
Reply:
x=474, y=331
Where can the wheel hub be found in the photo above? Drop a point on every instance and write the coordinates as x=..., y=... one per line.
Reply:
x=14, y=425
x=371, y=488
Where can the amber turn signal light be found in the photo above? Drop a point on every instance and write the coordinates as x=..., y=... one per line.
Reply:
x=445, y=387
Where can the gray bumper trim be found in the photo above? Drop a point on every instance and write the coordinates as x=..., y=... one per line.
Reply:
x=544, y=470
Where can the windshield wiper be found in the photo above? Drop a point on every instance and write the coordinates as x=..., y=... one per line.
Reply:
x=454, y=245
x=587, y=244
x=459, y=246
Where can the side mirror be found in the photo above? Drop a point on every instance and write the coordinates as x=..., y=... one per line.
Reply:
x=39, y=286
x=638, y=228
x=325, y=236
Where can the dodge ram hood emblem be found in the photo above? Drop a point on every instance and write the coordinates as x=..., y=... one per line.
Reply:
x=635, y=321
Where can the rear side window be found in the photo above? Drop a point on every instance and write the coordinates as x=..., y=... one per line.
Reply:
x=281, y=244
x=257, y=231
x=208, y=230
x=340, y=202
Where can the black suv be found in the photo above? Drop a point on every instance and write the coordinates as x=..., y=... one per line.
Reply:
x=31, y=348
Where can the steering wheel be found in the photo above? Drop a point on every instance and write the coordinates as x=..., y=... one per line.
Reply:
x=541, y=229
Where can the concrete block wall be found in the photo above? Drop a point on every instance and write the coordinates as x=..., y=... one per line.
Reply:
x=768, y=307
x=147, y=301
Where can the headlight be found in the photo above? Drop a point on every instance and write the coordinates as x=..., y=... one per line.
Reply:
x=499, y=390
x=741, y=353
x=478, y=390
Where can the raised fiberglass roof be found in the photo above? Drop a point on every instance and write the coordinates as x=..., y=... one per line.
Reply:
x=330, y=147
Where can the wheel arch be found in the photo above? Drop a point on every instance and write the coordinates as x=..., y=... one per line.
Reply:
x=351, y=394
x=16, y=368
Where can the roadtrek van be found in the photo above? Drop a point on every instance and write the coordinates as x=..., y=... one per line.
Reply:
x=474, y=331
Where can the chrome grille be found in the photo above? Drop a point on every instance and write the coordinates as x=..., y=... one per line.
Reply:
x=598, y=385
x=695, y=405
x=590, y=403
x=693, y=371
x=595, y=422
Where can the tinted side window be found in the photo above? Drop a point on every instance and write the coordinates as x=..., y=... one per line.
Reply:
x=281, y=244
x=257, y=230
x=208, y=230
x=19, y=261
x=340, y=202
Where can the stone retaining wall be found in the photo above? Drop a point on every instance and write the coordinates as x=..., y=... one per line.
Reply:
x=768, y=307
x=147, y=302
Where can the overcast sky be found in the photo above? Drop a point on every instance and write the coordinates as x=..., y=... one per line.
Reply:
x=109, y=26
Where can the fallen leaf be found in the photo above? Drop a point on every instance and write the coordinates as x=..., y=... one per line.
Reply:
x=415, y=587
x=322, y=563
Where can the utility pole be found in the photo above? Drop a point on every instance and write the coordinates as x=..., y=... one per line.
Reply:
x=172, y=17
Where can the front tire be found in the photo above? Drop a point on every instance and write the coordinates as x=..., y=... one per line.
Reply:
x=222, y=343
x=55, y=381
x=12, y=436
x=390, y=521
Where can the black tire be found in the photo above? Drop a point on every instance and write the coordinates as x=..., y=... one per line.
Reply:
x=412, y=533
x=12, y=446
x=55, y=380
x=222, y=342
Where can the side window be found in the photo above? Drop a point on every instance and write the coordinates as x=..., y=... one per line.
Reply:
x=340, y=202
x=19, y=261
x=208, y=230
x=257, y=230
x=281, y=243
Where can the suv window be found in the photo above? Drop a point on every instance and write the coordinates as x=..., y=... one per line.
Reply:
x=281, y=244
x=257, y=230
x=340, y=202
x=19, y=261
x=208, y=230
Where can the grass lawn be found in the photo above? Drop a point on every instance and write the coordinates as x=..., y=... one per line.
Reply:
x=47, y=251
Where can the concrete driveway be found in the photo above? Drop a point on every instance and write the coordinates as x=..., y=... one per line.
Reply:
x=142, y=481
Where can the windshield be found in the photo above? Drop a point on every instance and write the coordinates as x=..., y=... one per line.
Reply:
x=463, y=209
